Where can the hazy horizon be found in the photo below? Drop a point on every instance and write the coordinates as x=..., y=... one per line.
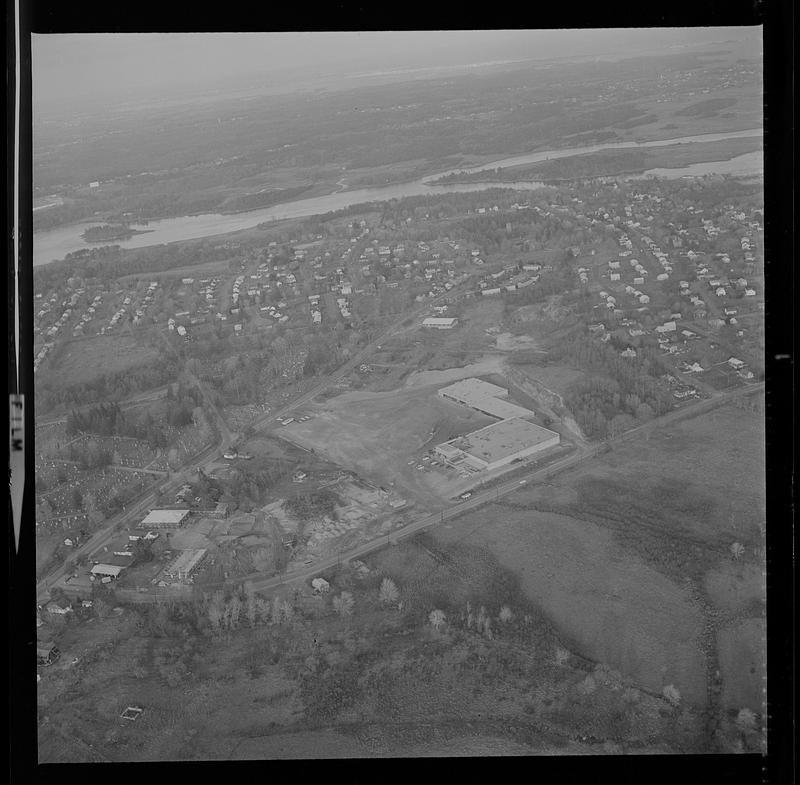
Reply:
x=74, y=73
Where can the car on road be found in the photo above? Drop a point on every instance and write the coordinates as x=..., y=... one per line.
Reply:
x=465, y=496
x=522, y=482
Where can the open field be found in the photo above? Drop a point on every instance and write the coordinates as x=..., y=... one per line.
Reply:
x=743, y=657
x=613, y=609
x=636, y=570
x=87, y=359
x=377, y=434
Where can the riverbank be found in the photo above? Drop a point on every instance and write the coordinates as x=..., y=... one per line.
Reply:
x=615, y=162
x=55, y=244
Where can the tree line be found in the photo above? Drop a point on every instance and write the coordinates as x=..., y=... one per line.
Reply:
x=620, y=390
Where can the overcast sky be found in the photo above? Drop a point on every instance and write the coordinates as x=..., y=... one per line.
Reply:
x=76, y=71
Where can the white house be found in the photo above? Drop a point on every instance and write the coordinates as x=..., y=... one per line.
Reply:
x=667, y=327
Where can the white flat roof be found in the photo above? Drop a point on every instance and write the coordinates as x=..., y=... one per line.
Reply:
x=486, y=397
x=164, y=516
x=439, y=320
x=505, y=410
x=107, y=569
x=498, y=441
x=473, y=389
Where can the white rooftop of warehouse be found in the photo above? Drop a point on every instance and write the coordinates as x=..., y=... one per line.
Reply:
x=501, y=439
x=156, y=517
x=469, y=390
x=485, y=396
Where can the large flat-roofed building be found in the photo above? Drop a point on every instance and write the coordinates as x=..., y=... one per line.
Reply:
x=440, y=323
x=498, y=444
x=484, y=397
x=165, y=519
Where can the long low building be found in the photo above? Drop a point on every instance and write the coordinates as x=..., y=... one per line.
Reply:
x=484, y=397
x=440, y=323
x=498, y=444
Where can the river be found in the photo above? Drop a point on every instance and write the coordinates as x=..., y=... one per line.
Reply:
x=55, y=244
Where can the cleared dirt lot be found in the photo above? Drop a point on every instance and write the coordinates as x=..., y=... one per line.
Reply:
x=377, y=434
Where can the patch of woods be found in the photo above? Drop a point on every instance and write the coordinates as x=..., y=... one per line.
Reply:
x=317, y=504
x=50, y=392
x=106, y=232
x=621, y=391
x=109, y=419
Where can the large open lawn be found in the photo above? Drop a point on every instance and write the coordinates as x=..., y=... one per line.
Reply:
x=88, y=358
x=629, y=556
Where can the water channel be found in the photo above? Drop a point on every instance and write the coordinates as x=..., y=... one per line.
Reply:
x=56, y=243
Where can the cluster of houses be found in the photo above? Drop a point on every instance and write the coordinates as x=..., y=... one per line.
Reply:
x=208, y=288
x=511, y=278
x=138, y=313
x=87, y=315
x=41, y=354
x=316, y=314
x=68, y=305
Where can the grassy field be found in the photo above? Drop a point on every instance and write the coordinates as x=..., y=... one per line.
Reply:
x=629, y=555
x=87, y=359
x=612, y=609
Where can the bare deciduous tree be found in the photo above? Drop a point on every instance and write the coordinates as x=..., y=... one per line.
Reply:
x=561, y=655
x=437, y=619
x=215, y=610
x=737, y=550
x=388, y=593
x=251, y=604
x=276, y=610
x=343, y=604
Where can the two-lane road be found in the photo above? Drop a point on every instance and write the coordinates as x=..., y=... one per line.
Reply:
x=480, y=498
